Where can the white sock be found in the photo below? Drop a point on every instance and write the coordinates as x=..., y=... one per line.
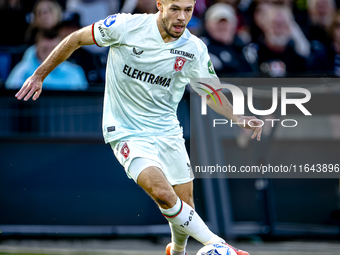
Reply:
x=186, y=218
x=173, y=252
x=179, y=240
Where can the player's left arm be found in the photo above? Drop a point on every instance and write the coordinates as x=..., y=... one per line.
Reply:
x=226, y=110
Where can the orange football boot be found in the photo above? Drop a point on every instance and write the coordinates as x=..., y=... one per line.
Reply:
x=168, y=249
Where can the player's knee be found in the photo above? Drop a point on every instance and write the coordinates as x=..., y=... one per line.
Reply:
x=164, y=198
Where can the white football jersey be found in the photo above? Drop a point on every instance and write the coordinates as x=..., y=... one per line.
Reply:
x=145, y=77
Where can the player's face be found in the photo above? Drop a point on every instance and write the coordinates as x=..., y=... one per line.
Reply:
x=176, y=15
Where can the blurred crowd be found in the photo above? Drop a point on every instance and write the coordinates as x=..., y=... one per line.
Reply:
x=245, y=38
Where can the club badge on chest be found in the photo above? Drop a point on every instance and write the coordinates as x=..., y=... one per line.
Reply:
x=179, y=63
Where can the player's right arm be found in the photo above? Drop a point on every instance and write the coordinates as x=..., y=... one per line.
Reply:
x=65, y=48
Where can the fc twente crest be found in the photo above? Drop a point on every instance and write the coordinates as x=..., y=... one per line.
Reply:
x=179, y=63
x=125, y=151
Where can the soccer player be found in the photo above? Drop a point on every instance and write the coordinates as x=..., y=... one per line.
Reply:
x=151, y=59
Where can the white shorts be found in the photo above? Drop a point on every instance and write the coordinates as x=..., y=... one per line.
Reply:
x=167, y=153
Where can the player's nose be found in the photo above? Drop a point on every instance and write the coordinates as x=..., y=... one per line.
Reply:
x=181, y=16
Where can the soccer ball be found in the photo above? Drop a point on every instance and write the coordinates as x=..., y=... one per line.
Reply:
x=216, y=249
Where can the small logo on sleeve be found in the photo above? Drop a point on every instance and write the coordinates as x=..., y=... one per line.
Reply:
x=179, y=63
x=110, y=20
x=101, y=31
x=211, y=67
x=125, y=151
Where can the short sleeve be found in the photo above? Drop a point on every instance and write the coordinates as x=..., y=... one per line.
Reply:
x=204, y=81
x=109, y=31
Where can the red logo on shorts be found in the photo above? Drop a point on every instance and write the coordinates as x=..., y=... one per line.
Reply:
x=179, y=63
x=125, y=151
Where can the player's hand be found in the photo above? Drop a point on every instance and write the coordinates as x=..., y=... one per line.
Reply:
x=255, y=124
x=32, y=85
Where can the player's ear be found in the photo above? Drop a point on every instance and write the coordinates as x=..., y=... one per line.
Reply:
x=160, y=5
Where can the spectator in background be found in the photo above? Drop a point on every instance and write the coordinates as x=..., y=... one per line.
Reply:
x=46, y=14
x=66, y=76
x=29, y=4
x=91, y=63
x=139, y=6
x=91, y=11
x=277, y=51
x=334, y=52
x=242, y=29
x=258, y=19
x=321, y=13
x=69, y=24
x=259, y=23
x=224, y=46
x=13, y=33
x=145, y=6
x=195, y=26
x=326, y=61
